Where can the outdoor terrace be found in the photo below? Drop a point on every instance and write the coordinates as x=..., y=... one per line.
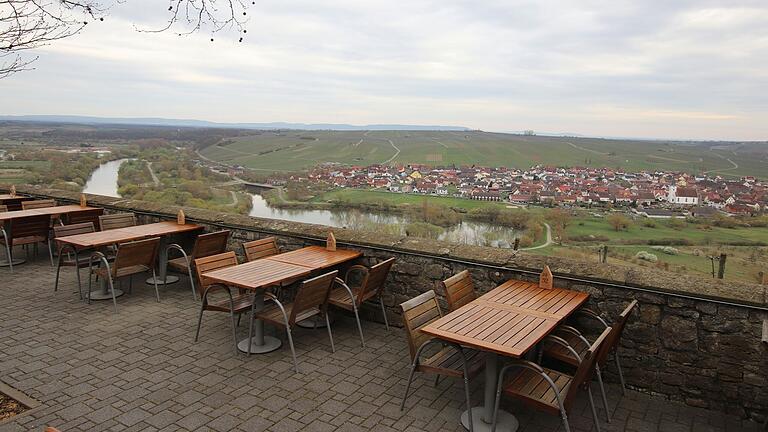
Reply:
x=693, y=344
x=140, y=370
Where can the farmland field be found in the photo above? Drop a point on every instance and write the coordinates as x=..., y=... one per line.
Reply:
x=296, y=150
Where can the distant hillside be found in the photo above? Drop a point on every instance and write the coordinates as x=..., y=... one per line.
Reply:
x=294, y=150
x=150, y=121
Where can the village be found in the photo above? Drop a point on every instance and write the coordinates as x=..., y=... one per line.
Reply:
x=652, y=194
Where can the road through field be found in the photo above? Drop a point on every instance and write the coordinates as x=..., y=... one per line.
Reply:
x=586, y=149
x=397, y=152
x=546, y=243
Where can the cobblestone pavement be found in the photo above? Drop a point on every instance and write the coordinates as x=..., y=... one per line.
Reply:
x=140, y=370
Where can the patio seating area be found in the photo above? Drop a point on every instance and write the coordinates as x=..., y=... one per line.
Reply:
x=164, y=364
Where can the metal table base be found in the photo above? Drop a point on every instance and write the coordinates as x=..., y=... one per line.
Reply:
x=105, y=295
x=265, y=345
x=16, y=261
x=168, y=280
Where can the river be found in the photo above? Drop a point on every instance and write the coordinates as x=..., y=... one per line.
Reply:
x=103, y=181
x=467, y=232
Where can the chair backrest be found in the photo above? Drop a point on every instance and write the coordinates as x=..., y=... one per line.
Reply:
x=137, y=253
x=586, y=368
x=459, y=290
x=260, y=248
x=3, y=208
x=90, y=215
x=312, y=294
x=375, y=280
x=114, y=221
x=210, y=244
x=418, y=312
x=211, y=263
x=615, y=337
x=73, y=229
x=31, y=226
x=28, y=205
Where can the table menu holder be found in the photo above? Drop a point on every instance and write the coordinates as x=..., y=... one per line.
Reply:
x=13, y=190
x=331, y=242
x=180, y=218
x=83, y=202
x=546, y=279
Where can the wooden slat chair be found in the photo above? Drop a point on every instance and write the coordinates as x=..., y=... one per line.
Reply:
x=371, y=285
x=260, y=248
x=579, y=343
x=131, y=258
x=450, y=360
x=84, y=216
x=459, y=290
x=311, y=300
x=232, y=304
x=69, y=256
x=36, y=204
x=30, y=230
x=549, y=390
x=205, y=245
x=118, y=220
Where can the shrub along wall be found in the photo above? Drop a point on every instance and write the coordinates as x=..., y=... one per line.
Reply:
x=692, y=339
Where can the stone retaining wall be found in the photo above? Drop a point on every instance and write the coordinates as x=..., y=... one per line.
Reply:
x=692, y=339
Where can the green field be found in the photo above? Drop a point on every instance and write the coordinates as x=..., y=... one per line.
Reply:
x=296, y=150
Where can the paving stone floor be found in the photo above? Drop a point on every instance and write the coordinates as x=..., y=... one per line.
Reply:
x=139, y=370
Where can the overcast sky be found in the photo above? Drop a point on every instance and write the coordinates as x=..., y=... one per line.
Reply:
x=633, y=68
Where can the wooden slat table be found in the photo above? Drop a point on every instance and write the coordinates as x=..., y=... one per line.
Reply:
x=13, y=201
x=8, y=218
x=316, y=257
x=101, y=239
x=254, y=276
x=508, y=320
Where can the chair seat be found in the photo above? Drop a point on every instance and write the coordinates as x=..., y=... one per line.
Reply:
x=340, y=298
x=563, y=354
x=530, y=387
x=125, y=271
x=179, y=264
x=448, y=362
x=242, y=303
x=273, y=314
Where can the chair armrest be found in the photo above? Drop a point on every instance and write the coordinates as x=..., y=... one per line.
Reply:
x=354, y=268
x=525, y=364
x=573, y=331
x=562, y=342
x=177, y=247
x=344, y=285
x=214, y=287
x=589, y=313
x=443, y=343
x=273, y=298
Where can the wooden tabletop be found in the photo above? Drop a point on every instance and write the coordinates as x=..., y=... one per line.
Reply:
x=8, y=197
x=509, y=320
x=316, y=257
x=257, y=274
x=49, y=211
x=554, y=303
x=121, y=235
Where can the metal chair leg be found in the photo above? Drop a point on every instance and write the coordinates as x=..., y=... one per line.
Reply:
x=330, y=335
x=250, y=328
x=200, y=322
x=50, y=251
x=192, y=283
x=437, y=380
x=79, y=284
x=157, y=292
x=566, y=426
x=293, y=349
x=602, y=393
x=58, y=271
x=112, y=288
x=408, y=385
x=592, y=407
x=359, y=326
x=384, y=312
x=621, y=374
x=7, y=248
x=234, y=327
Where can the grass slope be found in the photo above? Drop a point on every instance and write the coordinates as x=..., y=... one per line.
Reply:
x=294, y=150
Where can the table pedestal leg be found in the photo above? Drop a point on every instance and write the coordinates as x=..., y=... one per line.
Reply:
x=104, y=293
x=260, y=343
x=482, y=416
x=162, y=277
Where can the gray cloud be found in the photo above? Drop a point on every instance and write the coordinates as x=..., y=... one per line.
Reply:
x=681, y=69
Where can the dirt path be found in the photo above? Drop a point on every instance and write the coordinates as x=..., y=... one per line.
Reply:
x=155, y=180
x=587, y=150
x=397, y=152
x=734, y=165
x=547, y=243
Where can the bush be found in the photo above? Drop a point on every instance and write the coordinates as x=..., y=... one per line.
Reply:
x=676, y=223
x=647, y=256
x=670, y=242
x=669, y=250
x=649, y=223
x=589, y=238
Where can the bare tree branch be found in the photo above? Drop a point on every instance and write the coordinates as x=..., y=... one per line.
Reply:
x=29, y=24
